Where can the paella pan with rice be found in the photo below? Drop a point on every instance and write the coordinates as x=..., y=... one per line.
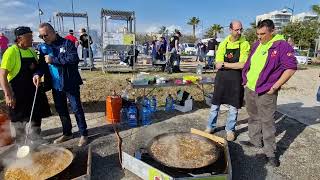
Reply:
x=43, y=163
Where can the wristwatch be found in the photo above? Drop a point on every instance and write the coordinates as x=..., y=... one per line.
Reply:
x=222, y=67
x=274, y=89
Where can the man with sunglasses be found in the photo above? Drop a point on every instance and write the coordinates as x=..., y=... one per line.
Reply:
x=231, y=55
x=62, y=59
x=271, y=64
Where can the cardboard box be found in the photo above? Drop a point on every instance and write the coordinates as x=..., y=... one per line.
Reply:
x=187, y=106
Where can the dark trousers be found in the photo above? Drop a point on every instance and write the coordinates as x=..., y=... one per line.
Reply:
x=60, y=101
x=261, y=124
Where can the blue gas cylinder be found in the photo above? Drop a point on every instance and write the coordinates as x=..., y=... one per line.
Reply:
x=132, y=116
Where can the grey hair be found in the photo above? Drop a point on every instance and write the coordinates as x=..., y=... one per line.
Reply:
x=49, y=26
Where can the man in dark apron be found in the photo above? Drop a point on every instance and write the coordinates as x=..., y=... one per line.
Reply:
x=231, y=56
x=18, y=79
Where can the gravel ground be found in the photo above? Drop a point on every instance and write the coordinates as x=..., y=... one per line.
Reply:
x=298, y=97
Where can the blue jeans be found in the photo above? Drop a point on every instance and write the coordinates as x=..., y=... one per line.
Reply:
x=60, y=102
x=210, y=60
x=231, y=119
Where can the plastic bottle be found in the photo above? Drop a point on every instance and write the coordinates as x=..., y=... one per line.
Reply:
x=146, y=101
x=153, y=104
x=124, y=114
x=146, y=116
x=125, y=94
x=169, y=103
x=132, y=116
x=199, y=69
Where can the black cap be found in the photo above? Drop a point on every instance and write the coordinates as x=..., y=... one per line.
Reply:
x=71, y=31
x=21, y=30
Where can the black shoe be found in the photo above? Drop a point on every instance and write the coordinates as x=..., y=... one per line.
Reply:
x=249, y=144
x=273, y=161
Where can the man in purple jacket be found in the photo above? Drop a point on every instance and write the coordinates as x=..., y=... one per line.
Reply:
x=271, y=63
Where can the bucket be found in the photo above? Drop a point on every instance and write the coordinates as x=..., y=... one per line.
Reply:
x=5, y=133
x=113, y=108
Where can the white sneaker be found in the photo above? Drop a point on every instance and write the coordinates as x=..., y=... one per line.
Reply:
x=83, y=141
x=62, y=138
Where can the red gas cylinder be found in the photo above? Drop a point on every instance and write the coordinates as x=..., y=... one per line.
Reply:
x=5, y=133
x=113, y=108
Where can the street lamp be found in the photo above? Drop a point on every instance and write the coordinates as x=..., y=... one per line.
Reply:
x=292, y=11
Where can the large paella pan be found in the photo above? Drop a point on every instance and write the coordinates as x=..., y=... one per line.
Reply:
x=183, y=150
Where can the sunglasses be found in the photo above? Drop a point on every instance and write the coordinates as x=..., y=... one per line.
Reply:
x=43, y=36
x=238, y=30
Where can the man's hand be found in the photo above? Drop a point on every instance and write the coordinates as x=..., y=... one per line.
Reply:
x=36, y=80
x=272, y=90
x=219, y=65
x=10, y=101
x=48, y=59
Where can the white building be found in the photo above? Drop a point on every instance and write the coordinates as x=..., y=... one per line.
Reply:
x=280, y=18
x=304, y=16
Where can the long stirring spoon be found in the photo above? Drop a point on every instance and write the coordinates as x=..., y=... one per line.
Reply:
x=24, y=150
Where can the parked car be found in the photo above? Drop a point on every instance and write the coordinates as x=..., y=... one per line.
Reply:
x=189, y=48
x=302, y=59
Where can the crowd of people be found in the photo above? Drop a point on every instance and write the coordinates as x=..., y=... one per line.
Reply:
x=253, y=75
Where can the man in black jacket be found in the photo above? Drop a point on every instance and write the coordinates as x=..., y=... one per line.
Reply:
x=63, y=63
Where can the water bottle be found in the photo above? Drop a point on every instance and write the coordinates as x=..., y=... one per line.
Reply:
x=123, y=114
x=153, y=104
x=146, y=101
x=132, y=116
x=199, y=69
x=169, y=103
x=125, y=95
x=146, y=116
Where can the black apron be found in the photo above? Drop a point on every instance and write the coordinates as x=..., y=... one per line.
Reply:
x=23, y=92
x=228, y=87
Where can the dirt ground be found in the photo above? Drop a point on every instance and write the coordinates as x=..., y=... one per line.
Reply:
x=298, y=143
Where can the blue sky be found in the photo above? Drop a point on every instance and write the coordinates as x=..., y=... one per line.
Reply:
x=150, y=14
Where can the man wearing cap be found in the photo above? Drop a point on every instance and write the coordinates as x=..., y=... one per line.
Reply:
x=231, y=55
x=271, y=63
x=62, y=59
x=72, y=38
x=19, y=78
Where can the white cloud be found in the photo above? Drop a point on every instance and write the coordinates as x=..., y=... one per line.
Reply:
x=12, y=4
x=156, y=28
x=152, y=28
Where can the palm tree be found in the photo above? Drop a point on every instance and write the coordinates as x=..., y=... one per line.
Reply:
x=316, y=9
x=163, y=30
x=194, y=21
x=253, y=25
x=214, y=30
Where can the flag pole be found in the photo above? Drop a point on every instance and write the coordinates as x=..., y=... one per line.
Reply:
x=39, y=12
x=74, y=24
